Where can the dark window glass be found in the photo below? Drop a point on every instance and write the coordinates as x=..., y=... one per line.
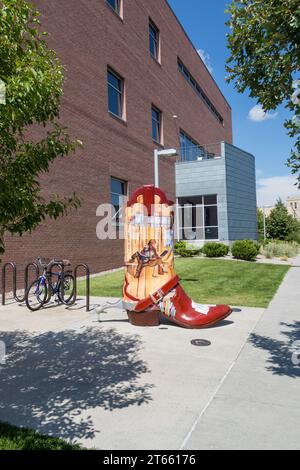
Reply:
x=197, y=200
x=117, y=186
x=198, y=218
x=156, y=125
x=199, y=90
x=210, y=200
x=211, y=216
x=118, y=192
x=115, y=93
x=211, y=233
x=154, y=40
x=116, y=5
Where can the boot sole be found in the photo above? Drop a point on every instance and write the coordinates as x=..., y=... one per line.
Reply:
x=200, y=327
x=151, y=318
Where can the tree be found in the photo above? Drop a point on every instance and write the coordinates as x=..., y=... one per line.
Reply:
x=33, y=79
x=265, y=58
x=280, y=224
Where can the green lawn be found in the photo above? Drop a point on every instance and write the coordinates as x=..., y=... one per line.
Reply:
x=211, y=281
x=13, y=438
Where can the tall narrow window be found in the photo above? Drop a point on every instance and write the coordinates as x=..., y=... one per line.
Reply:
x=115, y=5
x=118, y=195
x=115, y=93
x=154, y=40
x=156, y=125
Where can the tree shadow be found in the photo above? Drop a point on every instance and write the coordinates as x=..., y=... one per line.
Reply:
x=50, y=379
x=280, y=360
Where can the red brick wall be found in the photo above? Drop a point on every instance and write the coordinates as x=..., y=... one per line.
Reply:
x=88, y=36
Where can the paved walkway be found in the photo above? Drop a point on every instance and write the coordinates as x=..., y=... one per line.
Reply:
x=113, y=386
x=257, y=405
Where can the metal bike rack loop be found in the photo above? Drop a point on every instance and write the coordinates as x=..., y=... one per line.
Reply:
x=37, y=273
x=87, y=285
x=14, y=272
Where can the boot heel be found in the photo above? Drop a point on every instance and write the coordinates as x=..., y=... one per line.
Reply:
x=147, y=318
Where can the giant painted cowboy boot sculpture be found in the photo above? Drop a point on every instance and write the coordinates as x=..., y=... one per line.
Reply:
x=151, y=287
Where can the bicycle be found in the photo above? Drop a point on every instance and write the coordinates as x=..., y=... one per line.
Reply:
x=40, y=291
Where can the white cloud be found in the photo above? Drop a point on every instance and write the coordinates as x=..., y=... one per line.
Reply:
x=257, y=114
x=206, y=59
x=259, y=173
x=271, y=189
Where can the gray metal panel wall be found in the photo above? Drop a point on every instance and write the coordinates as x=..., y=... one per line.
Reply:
x=241, y=194
x=201, y=178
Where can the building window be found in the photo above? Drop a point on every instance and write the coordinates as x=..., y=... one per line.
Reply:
x=154, y=41
x=198, y=218
x=156, y=125
x=189, y=78
x=116, y=5
x=118, y=195
x=115, y=93
x=190, y=149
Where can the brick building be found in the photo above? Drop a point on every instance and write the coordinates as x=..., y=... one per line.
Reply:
x=126, y=93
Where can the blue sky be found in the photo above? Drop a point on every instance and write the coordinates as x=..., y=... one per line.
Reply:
x=266, y=139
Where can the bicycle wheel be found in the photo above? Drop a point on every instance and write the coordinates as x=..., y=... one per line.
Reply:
x=67, y=295
x=36, y=295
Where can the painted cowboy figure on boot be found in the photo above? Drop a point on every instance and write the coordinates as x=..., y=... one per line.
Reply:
x=148, y=257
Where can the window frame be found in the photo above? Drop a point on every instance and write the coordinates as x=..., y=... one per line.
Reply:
x=118, y=9
x=160, y=123
x=152, y=27
x=193, y=144
x=116, y=218
x=121, y=93
x=194, y=203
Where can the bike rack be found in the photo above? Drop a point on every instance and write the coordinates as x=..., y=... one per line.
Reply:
x=87, y=285
x=14, y=271
x=37, y=272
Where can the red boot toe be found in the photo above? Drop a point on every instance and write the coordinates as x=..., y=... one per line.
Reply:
x=179, y=308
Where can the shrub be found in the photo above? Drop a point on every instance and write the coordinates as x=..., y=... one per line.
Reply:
x=179, y=246
x=282, y=250
x=294, y=237
x=245, y=249
x=215, y=250
x=185, y=251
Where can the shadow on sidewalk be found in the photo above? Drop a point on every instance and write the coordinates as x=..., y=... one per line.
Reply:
x=49, y=379
x=281, y=352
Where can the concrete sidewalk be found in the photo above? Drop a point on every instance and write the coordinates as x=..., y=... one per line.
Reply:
x=258, y=404
x=113, y=386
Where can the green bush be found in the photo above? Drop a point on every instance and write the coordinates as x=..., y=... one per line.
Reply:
x=215, y=250
x=185, y=251
x=294, y=237
x=278, y=249
x=245, y=249
x=179, y=246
